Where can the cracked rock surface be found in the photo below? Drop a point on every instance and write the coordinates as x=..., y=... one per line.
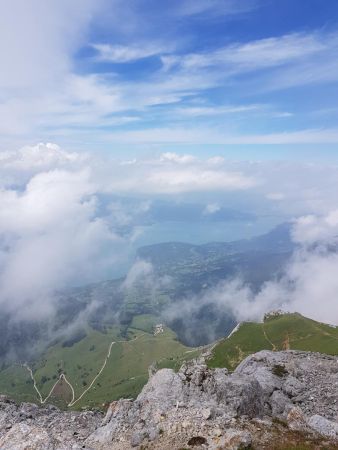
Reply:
x=289, y=397
x=29, y=427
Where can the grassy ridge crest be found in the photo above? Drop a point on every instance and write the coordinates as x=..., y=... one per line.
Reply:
x=280, y=331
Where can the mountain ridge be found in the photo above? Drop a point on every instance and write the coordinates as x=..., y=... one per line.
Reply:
x=278, y=331
x=273, y=400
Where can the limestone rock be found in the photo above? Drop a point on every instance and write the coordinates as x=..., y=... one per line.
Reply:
x=323, y=426
x=280, y=404
x=28, y=426
x=22, y=435
x=208, y=407
x=237, y=440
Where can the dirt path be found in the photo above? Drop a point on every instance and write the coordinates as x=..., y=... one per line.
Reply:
x=73, y=401
x=43, y=400
x=63, y=377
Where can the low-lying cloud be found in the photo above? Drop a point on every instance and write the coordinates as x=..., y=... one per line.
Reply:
x=309, y=284
x=56, y=230
x=51, y=237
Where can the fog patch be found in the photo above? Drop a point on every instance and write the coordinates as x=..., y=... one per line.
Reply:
x=308, y=285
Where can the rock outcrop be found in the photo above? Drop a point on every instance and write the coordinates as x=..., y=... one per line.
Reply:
x=29, y=427
x=271, y=397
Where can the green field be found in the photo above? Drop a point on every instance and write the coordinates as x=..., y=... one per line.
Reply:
x=280, y=332
x=124, y=375
x=135, y=348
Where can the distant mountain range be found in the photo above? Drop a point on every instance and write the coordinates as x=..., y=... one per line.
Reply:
x=220, y=260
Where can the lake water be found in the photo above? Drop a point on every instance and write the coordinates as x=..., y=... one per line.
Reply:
x=203, y=232
x=196, y=233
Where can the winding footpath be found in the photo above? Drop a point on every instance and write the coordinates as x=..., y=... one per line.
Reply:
x=43, y=400
x=64, y=378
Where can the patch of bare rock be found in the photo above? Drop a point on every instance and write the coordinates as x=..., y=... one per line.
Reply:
x=273, y=400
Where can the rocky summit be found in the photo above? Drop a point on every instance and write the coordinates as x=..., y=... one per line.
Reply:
x=273, y=400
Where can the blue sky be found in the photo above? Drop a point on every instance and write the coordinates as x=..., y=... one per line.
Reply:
x=245, y=79
x=112, y=111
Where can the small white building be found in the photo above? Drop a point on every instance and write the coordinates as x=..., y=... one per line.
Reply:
x=159, y=328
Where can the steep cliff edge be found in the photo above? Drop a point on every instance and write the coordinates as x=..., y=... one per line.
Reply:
x=273, y=400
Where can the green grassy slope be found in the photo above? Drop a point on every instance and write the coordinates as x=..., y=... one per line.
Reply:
x=124, y=375
x=126, y=370
x=280, y=332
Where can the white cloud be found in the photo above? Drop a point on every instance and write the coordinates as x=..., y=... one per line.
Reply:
x=309, y=287
x=18, y=167
x=159, y=178
x=45, y=93
x=52, y=236
x=53, y=232
x=214, y=7
x=309, y=284
x=169, y=173
x=125, y=53
x=317, y=229
x=175, y=158
x=38, y=39
x=296, y=188
x=216, y=160
x=254, y=55
x=205, y=135
x=211, y=208
x=44, y=96
x=124, y=215
x=197, y=111
x=139, y=272
x=37, y=44
x=38, y=157
x=278, y=62
x=171, y=181
x=275, y=196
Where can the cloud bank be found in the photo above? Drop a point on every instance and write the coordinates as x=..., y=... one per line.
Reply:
x=51, y=237
x=309, y=284
x=54, y=229
x=65, y=219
